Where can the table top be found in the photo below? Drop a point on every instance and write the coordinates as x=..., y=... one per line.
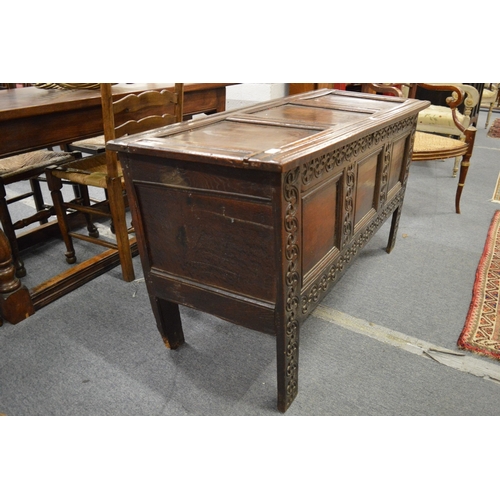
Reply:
x=271, y=135
x=33, y=101
x=33, y=118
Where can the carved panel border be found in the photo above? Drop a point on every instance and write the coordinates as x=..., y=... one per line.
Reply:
x=291, y=196
x=315, y=292
x=333, y=272
x=317, y=167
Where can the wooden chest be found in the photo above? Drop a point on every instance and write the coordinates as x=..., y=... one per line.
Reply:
x=253, y=215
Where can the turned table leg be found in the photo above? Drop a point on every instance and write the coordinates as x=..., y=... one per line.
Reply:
x=10, y=233
x=15, y=299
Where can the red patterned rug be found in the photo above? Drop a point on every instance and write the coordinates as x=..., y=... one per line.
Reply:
x=481, y=333
x=494, y=130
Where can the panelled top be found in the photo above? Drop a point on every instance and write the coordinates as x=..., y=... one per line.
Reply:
x=271, y=135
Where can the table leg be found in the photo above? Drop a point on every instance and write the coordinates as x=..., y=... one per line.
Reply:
x=15, y=299
x=168, y=320
x=394, y=229
x=9, y=232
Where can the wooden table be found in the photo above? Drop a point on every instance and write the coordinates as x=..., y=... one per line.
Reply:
x=253, y=215
x=33, y=118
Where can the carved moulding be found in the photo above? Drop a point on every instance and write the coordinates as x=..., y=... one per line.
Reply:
x=291, y=195
x=334, y=271
x=317, y=167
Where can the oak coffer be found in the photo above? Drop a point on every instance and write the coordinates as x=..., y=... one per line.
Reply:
x=252, y=215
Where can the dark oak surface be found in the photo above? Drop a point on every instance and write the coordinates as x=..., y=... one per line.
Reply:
x=31, y=118
x=253, y=215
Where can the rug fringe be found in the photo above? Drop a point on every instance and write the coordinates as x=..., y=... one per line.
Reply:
x=478, y=334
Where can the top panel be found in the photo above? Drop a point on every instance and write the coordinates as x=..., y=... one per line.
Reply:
x=268, y=135
x=311, y=114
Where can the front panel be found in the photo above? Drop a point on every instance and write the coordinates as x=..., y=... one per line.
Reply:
x=347, y=194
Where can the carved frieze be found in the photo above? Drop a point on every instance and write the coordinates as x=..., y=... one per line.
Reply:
x=316, y=168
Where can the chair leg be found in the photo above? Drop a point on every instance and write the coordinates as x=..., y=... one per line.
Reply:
x=464, y=166
x=55, y=186
x=38, y=198
x=83, y=194
x=117, y=208
x=490, y=111
x=10, y=233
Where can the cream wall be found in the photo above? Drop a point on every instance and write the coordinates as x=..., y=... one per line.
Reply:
x=245, y=94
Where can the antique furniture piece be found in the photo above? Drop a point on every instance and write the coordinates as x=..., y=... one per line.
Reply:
x=438, y=98
x=253, y=215
x=125, y=116
x=32, y=118
x=172, y=112
x=447, y=134
x=447, y=119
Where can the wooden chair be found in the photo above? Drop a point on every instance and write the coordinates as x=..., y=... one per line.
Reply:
x=437, y=146
x=451, y=137
x=128, y=115
x=26, y=167
x=91, y=145
x=447, y=118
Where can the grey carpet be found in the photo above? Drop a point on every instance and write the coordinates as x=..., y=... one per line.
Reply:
x=97, y=351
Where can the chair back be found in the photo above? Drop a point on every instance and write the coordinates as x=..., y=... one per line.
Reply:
x=137, y=113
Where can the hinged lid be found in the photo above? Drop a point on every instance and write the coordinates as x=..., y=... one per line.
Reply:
x=270, y=135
